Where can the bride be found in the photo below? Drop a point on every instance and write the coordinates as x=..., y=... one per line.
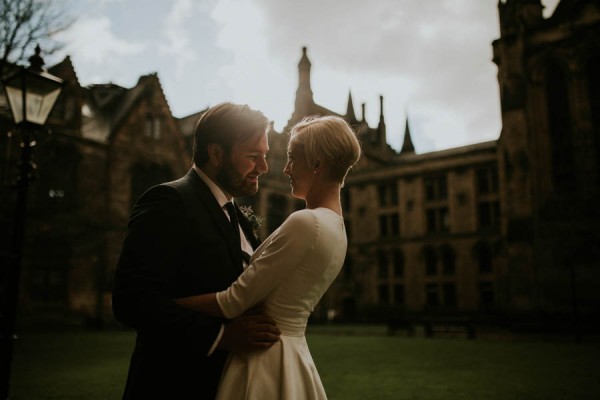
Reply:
x=292, y=268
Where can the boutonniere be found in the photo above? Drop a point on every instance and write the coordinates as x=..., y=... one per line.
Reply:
x=254, y=219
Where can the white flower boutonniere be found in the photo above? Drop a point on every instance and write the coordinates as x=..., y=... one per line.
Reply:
x=254, y=219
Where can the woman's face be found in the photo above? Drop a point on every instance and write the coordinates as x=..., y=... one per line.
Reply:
x=297, y=169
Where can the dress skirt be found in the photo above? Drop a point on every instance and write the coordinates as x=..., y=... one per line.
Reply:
x=285, y=371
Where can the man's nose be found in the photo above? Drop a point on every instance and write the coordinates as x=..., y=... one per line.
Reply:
x=263, y=167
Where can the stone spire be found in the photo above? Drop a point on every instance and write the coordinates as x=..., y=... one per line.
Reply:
x=350, y=116
x=407, y=145
x=304, y=92
x=381, y=129
x=364, y=114
x=304, y=104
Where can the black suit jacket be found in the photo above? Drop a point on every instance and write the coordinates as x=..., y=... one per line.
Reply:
x=179, y=243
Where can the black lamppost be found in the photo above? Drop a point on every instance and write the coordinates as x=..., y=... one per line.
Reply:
x=31, y=93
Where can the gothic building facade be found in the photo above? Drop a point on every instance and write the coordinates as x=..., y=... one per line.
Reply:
x=504, y=228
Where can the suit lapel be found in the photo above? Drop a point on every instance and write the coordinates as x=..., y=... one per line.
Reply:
x=218, y=217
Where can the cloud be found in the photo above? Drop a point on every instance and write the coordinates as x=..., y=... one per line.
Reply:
x=252, y=75
x=434, y=57
x=93, y=41
x=178, y=43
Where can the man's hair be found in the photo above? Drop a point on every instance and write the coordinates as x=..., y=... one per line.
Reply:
x=226, y=124
x=329, y=139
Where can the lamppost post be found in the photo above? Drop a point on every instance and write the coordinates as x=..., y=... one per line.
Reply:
x=31, y=93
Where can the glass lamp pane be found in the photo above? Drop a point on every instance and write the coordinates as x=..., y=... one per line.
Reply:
x=42, y=91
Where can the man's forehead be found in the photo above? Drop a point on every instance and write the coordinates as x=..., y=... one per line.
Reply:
x=258, y=143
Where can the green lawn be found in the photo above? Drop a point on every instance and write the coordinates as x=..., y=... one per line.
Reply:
x=93, y=365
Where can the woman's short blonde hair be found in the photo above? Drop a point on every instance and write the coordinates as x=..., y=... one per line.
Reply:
x=331, y=140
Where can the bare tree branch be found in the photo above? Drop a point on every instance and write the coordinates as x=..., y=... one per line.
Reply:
x=26, y=23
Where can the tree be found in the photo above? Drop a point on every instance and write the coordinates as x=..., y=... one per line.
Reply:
x=26, y=23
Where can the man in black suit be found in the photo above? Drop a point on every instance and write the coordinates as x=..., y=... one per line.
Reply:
x=183, y=239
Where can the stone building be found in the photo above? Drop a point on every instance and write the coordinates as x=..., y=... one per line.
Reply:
x=549, y=154
x=424, y=229
x=505, y=228
x=104, y=146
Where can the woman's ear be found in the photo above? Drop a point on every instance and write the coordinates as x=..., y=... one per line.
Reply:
x=215, y=154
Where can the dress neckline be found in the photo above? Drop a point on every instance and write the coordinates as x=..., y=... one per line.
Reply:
x=330, y=210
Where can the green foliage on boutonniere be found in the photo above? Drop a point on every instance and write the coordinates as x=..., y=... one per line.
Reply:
x=254, y=219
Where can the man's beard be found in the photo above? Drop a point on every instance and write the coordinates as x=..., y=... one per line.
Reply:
x=233, y=182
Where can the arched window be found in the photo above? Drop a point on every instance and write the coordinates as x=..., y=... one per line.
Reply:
x=559, y=123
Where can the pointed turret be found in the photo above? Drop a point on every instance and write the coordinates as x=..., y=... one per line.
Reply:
x=304, y=104
x=381, y=129
x=364, y=114
x=407, y=145
x=350, y=116
x=304, y=92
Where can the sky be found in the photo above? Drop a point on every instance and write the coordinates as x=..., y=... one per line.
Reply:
x=431, y=60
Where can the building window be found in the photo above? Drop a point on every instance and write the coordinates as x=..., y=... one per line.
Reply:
x=436, y=188
x=448, y=260
x=438, y=220
x=487, y=180
x=486, y=293
x=430, y=261
x=383, y=293
x=56, y=188
x=488, y=213
x=387, y=194
x=389, y=225
x=449, y=294
x=431, y=294
x=153, y=125
x=383, y=226
x=398, y=264
x=382, y=265
x=483, y=254
x=398, y=294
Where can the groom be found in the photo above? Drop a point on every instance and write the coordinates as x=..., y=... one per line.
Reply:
x=183, y=239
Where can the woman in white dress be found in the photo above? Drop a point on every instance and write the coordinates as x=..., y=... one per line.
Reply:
x=292, y=268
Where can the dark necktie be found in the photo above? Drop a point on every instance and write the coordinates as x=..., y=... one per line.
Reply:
x=233, y=219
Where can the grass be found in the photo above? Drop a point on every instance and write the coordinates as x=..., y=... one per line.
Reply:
x=93, y=365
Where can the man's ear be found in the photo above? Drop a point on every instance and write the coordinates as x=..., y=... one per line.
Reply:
x=215, y=154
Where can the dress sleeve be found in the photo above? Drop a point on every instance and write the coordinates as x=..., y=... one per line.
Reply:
x=285, y=250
